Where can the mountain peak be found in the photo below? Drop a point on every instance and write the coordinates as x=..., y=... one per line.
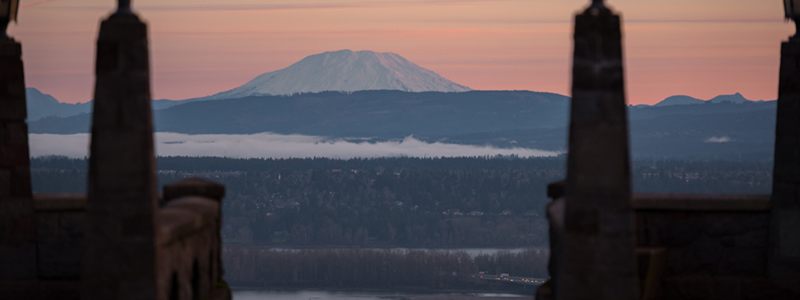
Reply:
x=348, y=71
x=735, y=98
x=684, y=100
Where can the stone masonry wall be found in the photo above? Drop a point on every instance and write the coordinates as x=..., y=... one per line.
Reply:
x=707, y=243
x=713, y=254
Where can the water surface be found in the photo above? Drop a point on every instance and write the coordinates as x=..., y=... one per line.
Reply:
x=331, y=295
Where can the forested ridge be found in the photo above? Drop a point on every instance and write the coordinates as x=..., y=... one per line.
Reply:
x=410, y=202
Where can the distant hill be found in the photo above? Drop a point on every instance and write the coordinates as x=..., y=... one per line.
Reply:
x=505, y=119
x=383, y=114
x=688, y=100
x=679, y=100
x=347, y=71
x=42, y=105
x=735, y=98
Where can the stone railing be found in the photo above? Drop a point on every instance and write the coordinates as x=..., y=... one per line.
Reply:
x=188, y=235
x=694, y=246
x=60, y=242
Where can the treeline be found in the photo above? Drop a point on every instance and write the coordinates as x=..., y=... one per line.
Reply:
x=411, y=202
x=370, y=268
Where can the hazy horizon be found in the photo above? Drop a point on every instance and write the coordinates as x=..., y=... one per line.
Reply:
x=203, y=47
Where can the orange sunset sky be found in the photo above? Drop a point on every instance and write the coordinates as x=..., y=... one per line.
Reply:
x=700, y=48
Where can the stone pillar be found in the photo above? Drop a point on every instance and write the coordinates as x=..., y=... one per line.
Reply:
x=598, y=259
x=784, y=256
x=122, y=255
x=17, y=218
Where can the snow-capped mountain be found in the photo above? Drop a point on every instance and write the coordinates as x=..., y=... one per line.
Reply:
x=345, y=70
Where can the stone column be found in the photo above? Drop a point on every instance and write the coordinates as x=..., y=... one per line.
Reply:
x=784, y=256
x=17, y=218
x=122, y=256
x=598, y=259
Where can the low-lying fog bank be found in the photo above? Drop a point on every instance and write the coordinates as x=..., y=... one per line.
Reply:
x=270, y=145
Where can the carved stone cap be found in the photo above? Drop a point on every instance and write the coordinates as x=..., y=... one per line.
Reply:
x=557, y=189
x=59, y=202
x=194, y=187
x=598, y=8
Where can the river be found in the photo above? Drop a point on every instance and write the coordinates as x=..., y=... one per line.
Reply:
x=471, y=251
x=331, y=295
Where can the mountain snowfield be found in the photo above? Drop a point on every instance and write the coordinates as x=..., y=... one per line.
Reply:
x=345, y=71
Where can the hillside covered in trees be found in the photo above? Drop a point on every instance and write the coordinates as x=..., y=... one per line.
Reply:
x=408, y=202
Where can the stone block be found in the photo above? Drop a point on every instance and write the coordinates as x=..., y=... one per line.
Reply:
x=772, y=288
x=5, y=183
x=582, y=220
x=14, y=155
x=788, y=120
x=136, y=258
x=680, y=262
x=579, y=254
x=103, y=226
x=680, y=232
x=620, y=287
x=788, y=238
x=759, y=221
x=556, y=189
x=13, y=133
x=60, y=202
x=726, y=289
x=744, y=262
x=705, y=252
x=72, y=226
x=138, y=226
x=15, y=207
x=61, y=260
x=616, y=255
x=194, y=187
x=687, y=288
x=18, y=261
x=60, y=289
x=47, y=227
x=11, y=66
x=598, y=163
x=599, y=107
x=785, y=195
x=21, y=183
x=17, y=229
x=119, y=258
x=755, y=239
x=725, y=224
x=788, y=71
x=616, y=222
x=137, y=289
x=21, y=290
x=786, y=150
x=60, y=226
x=579, y=285
x=10, y=47
x=12, y=100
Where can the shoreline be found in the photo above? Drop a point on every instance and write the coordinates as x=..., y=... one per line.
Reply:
x=327, y=247
x=386, y=290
